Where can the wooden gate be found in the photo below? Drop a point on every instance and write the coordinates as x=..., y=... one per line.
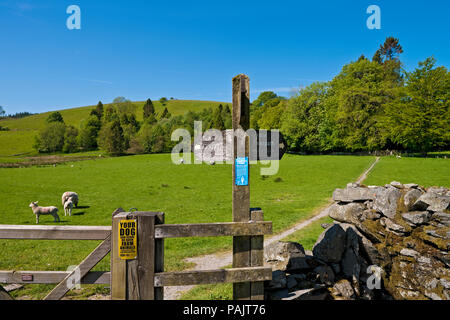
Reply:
x=142, y=276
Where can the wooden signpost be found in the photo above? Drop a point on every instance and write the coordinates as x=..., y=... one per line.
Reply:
x=242, y=245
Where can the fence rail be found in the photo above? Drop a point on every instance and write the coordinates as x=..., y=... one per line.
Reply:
x=48, y=277
x=152, y=237
x=217, y=229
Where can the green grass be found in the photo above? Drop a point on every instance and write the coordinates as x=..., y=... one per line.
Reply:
x=424, y=171
x=20, y=138
x=186, y=193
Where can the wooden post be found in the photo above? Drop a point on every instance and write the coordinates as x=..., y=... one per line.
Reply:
x=257, y=256
x=159, y=257
x=133, y=279
x=241, y=193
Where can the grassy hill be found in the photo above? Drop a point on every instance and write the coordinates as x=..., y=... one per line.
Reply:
x=19, y=140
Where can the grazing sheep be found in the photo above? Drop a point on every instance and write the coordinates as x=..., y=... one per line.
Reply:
x=72, y=195
x=38, y=211
x=68, y=206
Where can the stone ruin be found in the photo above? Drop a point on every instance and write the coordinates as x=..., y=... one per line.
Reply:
x=388, y=242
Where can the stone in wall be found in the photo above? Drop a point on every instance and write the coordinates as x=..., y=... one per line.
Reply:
x=401, y=230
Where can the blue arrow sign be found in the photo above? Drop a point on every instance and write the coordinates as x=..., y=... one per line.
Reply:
x=241, y=171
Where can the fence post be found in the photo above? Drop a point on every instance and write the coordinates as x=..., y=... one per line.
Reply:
x=257, y=255
x=132, y=278
x=241, y=193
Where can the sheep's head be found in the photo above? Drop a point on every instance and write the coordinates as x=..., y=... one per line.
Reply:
x=33, y=204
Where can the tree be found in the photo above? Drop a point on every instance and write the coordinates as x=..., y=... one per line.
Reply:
x=217, y=120
x=110, y=114
x=419, y=117
x=2, y=111
x=377, y=57
x=51, y=137
x=263, y=98
x=87, y=138
x=149, y=109
x=165, y=114
x=111, y=138
x=306, y=121
x=55, y=117
x=391, y=48
x=70, y=140
x=163, y=101
x=120, y=100
x=98, y=111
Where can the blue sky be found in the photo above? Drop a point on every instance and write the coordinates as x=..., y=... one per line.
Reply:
x=192, y=49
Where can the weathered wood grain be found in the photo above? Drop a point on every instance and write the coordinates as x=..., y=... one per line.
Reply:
x=85, y=266
x=234, y=275
x=54, y=232
x=241, y=194
x=257, y=256
x=47, y=277
x=140, y=271
x=159, y=256
x=118, y=266
x=213, y=229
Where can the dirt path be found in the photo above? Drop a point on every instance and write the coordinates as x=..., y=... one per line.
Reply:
x=220, y=260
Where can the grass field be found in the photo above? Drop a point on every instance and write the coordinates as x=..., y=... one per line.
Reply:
x=424, y=171
x=19, y=140
x=186, y=193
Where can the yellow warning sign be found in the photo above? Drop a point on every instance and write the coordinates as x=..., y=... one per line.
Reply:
x=127, y=239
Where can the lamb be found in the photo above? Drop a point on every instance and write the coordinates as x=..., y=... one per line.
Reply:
x=38, y=211
x=68, y=206
x=72, y=195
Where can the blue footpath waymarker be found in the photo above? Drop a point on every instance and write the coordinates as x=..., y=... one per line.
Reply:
x=241, y=171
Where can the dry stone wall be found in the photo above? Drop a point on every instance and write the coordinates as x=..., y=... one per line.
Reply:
x=386, y=242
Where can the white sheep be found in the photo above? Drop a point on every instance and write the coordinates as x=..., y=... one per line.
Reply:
x=72, y=195
x=38, y=211
x=68, y=206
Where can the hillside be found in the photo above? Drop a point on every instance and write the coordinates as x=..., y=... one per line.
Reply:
x=19, y=140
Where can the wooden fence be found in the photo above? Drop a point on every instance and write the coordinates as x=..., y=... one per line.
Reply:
x=143, y=276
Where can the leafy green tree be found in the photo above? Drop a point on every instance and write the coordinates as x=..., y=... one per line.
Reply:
x=227, y=117
x=419, y=117
x=306, y=121
x=263, y=98
x=152, y=138
x=110, y=114
x=120, y=100
x=98, y=111
x=55, y=117
x=271, y=118
x=111, y=138
x=217, y=120
x=149, y=109
x=51, y=137
x=130, y=127
x=88, y=134
x=70, y=140
x=2, y=111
